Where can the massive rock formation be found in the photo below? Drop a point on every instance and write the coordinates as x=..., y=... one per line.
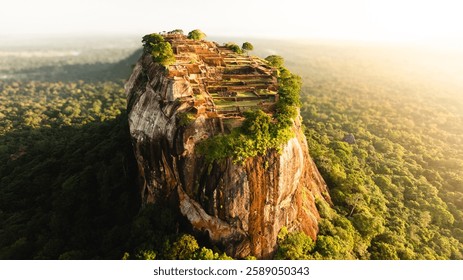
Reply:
x=239, y=207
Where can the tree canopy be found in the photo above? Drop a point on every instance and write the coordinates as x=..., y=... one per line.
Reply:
x=160, y=50
x=247, y=46
x=234, y=47
x=275, y=60
x=196, y=35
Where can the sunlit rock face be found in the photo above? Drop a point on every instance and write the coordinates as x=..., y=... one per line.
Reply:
x=239, y=207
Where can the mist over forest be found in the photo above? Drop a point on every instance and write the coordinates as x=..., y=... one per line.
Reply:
x=68, y=184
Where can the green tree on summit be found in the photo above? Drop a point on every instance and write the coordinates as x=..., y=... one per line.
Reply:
x=247, y=47
x=196, y=35
x=275, y=60
x=160, y=49
x=151, y=39
x=163, y=53
x=234, y=47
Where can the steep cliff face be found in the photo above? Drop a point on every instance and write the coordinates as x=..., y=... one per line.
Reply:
x=240, y=207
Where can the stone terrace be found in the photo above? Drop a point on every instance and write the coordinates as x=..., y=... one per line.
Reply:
x=224, y=84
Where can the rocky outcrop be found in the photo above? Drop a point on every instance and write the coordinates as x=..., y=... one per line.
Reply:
x=239, y=207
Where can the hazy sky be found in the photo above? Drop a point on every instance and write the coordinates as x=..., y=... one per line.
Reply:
x=390, y=20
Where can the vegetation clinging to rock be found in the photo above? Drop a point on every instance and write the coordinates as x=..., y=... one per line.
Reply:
x=160, y=49
x=275, y=60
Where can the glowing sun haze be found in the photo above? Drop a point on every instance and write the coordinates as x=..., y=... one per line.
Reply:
x=381, y=20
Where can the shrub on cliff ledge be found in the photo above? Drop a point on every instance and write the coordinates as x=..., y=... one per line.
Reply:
x=258, y=134
x=289, y=102
x=294, y=245
x=160, y=49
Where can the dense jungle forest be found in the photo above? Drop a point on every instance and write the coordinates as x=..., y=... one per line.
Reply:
x=384, y=125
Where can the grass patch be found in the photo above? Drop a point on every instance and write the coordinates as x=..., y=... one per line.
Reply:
x=246, y=94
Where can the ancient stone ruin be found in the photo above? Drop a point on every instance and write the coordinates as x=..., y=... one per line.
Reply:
x=222, y=83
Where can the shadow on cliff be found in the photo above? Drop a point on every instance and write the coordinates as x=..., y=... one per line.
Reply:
x=86, y=72
x=67, y=192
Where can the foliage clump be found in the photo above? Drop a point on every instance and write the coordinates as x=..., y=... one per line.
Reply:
x=160, y=50
x=275, y=60
x=186, y=248
x=234, y=47
x=196, y=35
x=293, y=245
x=247, y=47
